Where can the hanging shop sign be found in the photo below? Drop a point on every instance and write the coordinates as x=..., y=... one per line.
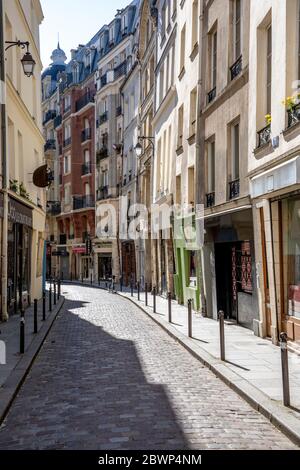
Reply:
x=18, y=213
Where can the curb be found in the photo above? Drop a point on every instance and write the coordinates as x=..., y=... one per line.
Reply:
x=281, y=417
x=11, y=387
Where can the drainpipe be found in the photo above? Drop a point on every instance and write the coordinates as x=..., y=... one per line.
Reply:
x=200, y=142
x=4, y=314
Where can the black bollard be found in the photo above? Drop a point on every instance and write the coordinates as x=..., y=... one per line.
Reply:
x=121, y=284
x=190, y=319
x=22, y=332
x=138, y=290
x=146, y=294
x=285, y=369
x=91, y=279
x=44, y=305
x=170, y=306
x=54, y=292
x=59, y=288
x=35, y=316
x=221, y=316
x=131, y=287
x=50, y=299
x=99, y=282
x=154, y=299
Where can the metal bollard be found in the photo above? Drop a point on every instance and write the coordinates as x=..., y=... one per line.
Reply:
x=131, y=286
x=22, y=332
x=221, y=316
x=50, y=299
x=91, y=279
x=146, y=294
x=62, y=276
x=121, y=284
x=154, y=299
x=170, y=306
x=44, y=305
x=285, y=369
x=99, y=281
x=82, y=278
x=190, y=319
x=54, y=292
x=138, y=290
x=71, y=276
x=59, y=288
x=35, y=317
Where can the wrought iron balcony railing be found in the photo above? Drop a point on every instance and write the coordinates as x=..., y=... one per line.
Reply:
x=57, y=120
x=264, y=136
x=103, y=80
x=84, y=100
x=86, y=134
x=67, y=142
x=293, y=115
x=67, y=109
x=62, y=239
x=86, y=169
x=234, y=189
x=211, y=95
x=51, y=114
x=102, y=193
x=103, y=118
x=50, y=145
x=120, y=70
x=101, y=153
x=210, y=199
x=236, y=68
x=83, y=202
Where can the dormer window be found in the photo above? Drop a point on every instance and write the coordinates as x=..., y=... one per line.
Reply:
x=124, y=24
x=87, y=59
x=76, y=73
x=111, y=35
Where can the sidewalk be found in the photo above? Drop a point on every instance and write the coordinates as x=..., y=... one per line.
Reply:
x=14, y=371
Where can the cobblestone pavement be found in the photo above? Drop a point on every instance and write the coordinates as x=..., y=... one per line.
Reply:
x=109, y=378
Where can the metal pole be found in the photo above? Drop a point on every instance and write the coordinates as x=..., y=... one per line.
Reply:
x=82, y=278
x=59, y=288
x=121, y=284
x=285, y=369
x=221, y=316
x=54, y=292
x=131, y=286
x=170, y=306
x=22, y=332
x=35, y=316
x=154, y=299
x=138, y=290
x=99, y=281
x=91, y=279
x=44, y=305
x=50, y=299
x=190, y=319
x=146, y=294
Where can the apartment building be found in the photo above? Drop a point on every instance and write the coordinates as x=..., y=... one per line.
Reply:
x=22, y=203
x=76, y=145
x=164, y=132
x=183, y=160
x=229, y=271
x=274, y=141
x=52, y=119
x=115, y=61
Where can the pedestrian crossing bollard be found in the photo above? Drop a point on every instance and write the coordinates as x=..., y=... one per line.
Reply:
x=190, y=319
x=146, y=294
x=54, y=292
x=35, y=316
x=22, y=332
x=170, y=306
x=44, y=305
x=138, y=290
x=221, y=316
x=50, y=299
x=154, y=299
x=285, y=369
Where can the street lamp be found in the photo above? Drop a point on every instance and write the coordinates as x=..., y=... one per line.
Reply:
x=28, y=63
x=139, y=148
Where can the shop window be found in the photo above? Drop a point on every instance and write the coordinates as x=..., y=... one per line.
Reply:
x=291, y=255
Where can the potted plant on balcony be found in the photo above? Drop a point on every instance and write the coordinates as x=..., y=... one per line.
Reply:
x=292, y=106
x=13, y=185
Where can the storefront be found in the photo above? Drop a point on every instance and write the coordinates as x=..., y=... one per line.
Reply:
x=20, y=223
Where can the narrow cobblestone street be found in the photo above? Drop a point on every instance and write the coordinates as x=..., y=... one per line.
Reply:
x=108, y=377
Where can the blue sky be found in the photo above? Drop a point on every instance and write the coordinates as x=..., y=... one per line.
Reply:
x=76, y=21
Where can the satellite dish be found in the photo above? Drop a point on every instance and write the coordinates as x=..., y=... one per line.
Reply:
x=41, y=177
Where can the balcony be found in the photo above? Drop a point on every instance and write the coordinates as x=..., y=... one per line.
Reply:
x=62, y=239
x=103, y=118
x=211, y=95
x=83, y=101
x=51, y=114
x=54, y=208
x=67, y=109
x=234, y=189
x=86, y=169
x=103, y=80
x=120, y=70
x=210, y=199
x=67, y=142
x=102, y=193
x=50, y=145
x=264, y=136
x=83, y=202
x=58, y=121
x=119, y=111
x=86, y=134
x=102, y=153
x=236, y=68
x=293, y=115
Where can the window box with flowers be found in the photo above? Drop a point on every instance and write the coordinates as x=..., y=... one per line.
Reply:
x=264, y=135
x=292, y=104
